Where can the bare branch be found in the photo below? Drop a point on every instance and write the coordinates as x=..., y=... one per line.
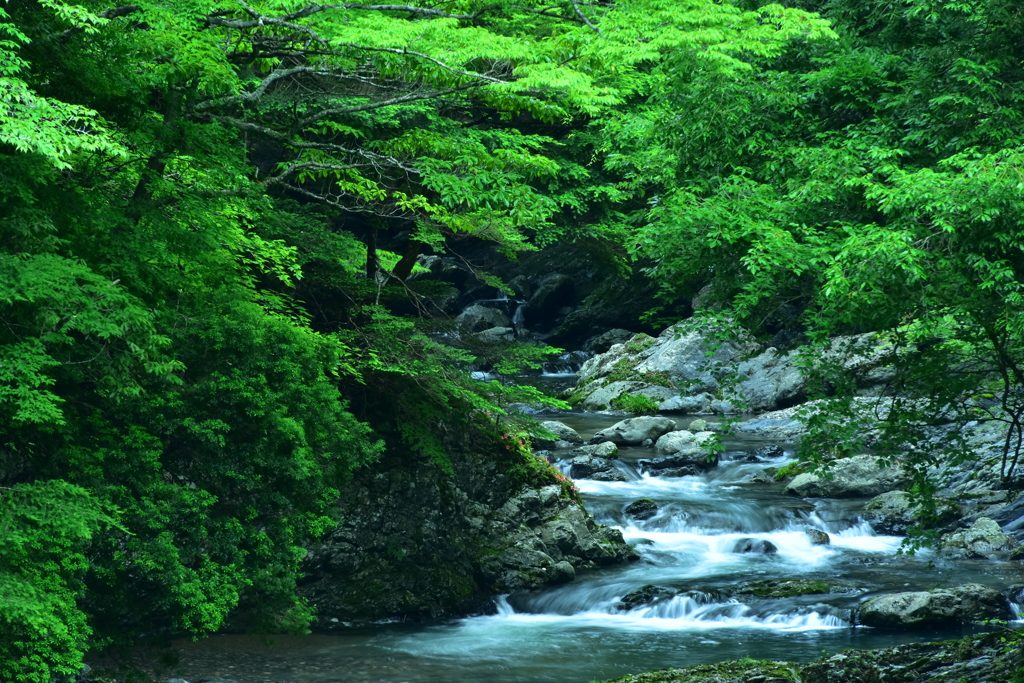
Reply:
x=583, y=17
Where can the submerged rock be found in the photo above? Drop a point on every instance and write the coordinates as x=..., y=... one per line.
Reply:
x=647, y=595
x=784, y=588
x=641, y=509
x=753, y=545
x=818, y=537
x=939, y=608
x=635, y=430
x=985, y=539
x=859, y=476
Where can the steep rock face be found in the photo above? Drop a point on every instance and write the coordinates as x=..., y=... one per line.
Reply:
x=416, y=542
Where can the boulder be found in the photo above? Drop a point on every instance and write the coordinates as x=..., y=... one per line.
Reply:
x=641, y=509
x=682, y=441
x=602, y=398
x=754, y=545
x=942, y=607
x=586, y=466
x=890, y=513
x=701, y=403
x=561, y=572
x=695, y=459
x=859, y=476
x=605, y=341
x=477, y=318
x=564, y=434
x=985, y=539
x=698, y=425
x=635, y=430
x=600, y=450
x=818, y=537
x=497, y=334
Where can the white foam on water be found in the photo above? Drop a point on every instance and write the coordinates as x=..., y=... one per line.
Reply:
x=678, y=613
x=647, y=487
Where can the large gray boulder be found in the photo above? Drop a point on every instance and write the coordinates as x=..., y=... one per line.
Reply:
x=890, y=513
x=942, y=607
x=636, y=430
x=683, y=440
x=477, y=318
x=859, y=476
x=985, y=539
x=599, y=450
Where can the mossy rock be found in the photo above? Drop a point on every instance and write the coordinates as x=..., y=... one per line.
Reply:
x=785, y=588
x=740, y=671
x=791, y=470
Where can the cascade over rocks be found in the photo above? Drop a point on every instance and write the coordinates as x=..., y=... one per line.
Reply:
x=859, y=476
x=942, y=607
x=419, y=543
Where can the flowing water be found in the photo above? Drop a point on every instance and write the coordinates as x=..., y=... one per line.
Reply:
x=579, y=632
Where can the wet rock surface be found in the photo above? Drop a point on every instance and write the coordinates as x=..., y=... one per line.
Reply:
x=417, y=543
x=939, y=608
x=859, y=476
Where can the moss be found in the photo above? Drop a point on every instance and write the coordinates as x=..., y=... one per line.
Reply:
x=785, y=589
x=623, y=369
x=635, y=403
x=640, y=343
x=790, y=470
x=660, y=379
x=739, y=671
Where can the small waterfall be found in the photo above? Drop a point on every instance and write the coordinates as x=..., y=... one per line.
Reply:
x=517, y=317
x=567, y=364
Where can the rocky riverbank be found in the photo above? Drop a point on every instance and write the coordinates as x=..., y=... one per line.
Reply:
x=989, y=658
x=418, y=542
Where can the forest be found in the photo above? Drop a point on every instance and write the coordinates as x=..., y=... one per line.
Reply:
x=239, y=240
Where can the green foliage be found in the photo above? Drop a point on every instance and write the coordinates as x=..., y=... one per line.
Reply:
x=636, y=403
x=45, y=530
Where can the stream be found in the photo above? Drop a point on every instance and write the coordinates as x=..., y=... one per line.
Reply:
x=577, y=633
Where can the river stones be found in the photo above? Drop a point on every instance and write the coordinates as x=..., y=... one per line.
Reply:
x=599, y=450
x=985, y=539
x=755, y=545
x=647, y=595
x=692, y=461
x=859, y=476
x=600, y=469
x=641, y=509
x=565, y=436
x=683, y=440
x=939, y=608
x=817, y=537
x=784, y=588
x=635, y=430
